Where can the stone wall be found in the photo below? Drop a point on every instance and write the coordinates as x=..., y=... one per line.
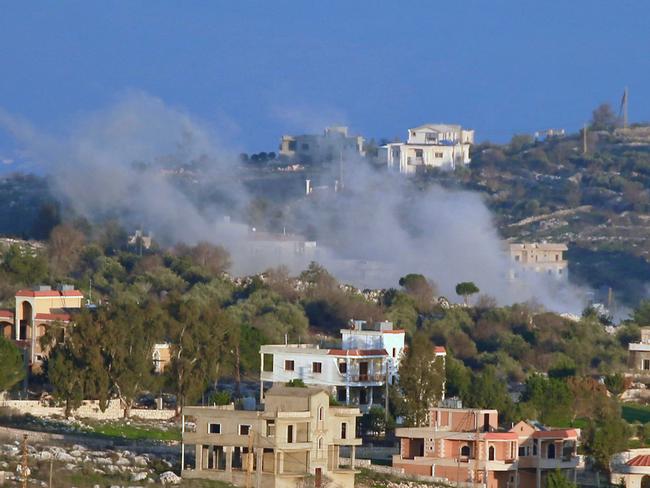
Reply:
x=89, y=409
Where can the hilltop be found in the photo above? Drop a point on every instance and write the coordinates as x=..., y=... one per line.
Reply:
x=597, y=202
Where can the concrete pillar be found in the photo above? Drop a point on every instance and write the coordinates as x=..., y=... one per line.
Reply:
x=182, y=456
x=281, y=463
x=347, y=394
x=370, y=399
x=275, y=462
x=259, y=454
x=198, y=451
x=352, y=456
x=228, y=450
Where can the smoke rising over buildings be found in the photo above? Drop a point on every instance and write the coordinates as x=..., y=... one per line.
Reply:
x=117, y=163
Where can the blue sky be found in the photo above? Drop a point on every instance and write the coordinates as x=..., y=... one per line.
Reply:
x=257, y=69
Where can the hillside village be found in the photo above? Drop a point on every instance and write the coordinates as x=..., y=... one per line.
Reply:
x=129, y=360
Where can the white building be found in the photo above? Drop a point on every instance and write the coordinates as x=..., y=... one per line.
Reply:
x=335, y=142
x=357, y=374
x=431, y=145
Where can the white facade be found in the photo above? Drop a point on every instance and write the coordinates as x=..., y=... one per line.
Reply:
x=431, y=145
x=357, y=374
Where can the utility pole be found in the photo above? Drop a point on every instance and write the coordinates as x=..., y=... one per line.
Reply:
x=24, y=469
x=625, y=95
x=584, y=139
x=51, y=466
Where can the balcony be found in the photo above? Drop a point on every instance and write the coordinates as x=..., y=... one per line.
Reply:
x=564, y=462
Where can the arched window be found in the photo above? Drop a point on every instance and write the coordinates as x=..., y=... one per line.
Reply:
x=465, y=451
x=645, y=481
x=550, y=451
x=491, y=453
x=321, y=411
x=320, y=443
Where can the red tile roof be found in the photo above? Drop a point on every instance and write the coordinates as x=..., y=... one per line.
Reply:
x=440, y=350
x=49, y=293
x=7, y=314
x=555, y=433
x=394, y=331
x=641, y=460
x=357, y=352
x=53, y=316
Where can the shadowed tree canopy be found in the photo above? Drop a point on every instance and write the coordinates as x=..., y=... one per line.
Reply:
x=465, y=289
x=13, y=368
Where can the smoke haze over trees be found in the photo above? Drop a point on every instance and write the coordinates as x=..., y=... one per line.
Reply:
x=153, y=166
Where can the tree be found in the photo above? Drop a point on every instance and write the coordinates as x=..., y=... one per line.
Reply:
x=555, y=479
x=13, y=367
x=603, y=117
x=605, y=437
x=420, y=289
x=63, y=375
x=466, y=289
x=421, y=379
x=616, y=384
x=28, y=266
x=64, y=248
x=519, y=142
x=551, y=399
x=375, y=423
x=489, y=391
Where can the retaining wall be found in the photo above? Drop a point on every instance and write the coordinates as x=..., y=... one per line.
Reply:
x=89, y=409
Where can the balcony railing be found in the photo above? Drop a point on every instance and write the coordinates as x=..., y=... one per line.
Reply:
x=367, y=377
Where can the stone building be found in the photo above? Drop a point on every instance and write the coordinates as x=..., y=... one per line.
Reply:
x=297, y=437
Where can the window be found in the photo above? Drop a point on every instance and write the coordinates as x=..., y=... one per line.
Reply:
x=288, y=365
x=438, y=155
x=465, y=451
x=418, y=153
x=244, y=429
x=270, y=428
x=343, y=367
x=394, y=352
x=321, y=413
x=320, y=443
x=214, y=428
x=267, y=363
x=550, y=451
x=292, y=145
x=317, y=367
x=289, y=434
x=344, y=430
x=646, y=364
x=491, y=453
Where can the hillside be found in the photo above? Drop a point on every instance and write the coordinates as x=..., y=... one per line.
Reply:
x=597, y=202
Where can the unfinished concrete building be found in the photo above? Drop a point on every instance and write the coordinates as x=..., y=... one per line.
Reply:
x=296, y=439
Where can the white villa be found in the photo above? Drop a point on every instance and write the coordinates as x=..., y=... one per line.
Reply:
x=357, y=374
x=430, y=145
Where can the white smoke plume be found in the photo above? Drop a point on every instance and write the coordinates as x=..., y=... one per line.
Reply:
x=114, y=163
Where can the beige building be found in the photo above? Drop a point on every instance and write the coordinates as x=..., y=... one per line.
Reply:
x=638, y=353
x=297, y=438
x=335, y=142
x=631, y=468
x=35, y=310
x=538, y=257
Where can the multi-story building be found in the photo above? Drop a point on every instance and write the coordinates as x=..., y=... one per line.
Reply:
x=298, y=436
x=466, y=446
x=334, y=143
x=539, y=257
x=432, y=145
x=356, y=374
x=35, y=311
x=638, y=353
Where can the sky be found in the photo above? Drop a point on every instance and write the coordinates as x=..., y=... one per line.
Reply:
x=254, y=70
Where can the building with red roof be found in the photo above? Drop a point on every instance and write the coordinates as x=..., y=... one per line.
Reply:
x=35, y=310
x=465, y=445
x=357, y=373
x=631, y=468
